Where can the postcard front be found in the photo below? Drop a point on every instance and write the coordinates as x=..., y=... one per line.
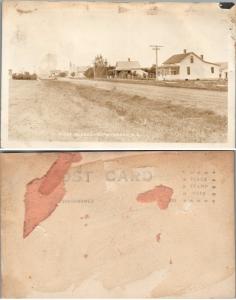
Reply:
x=117, y=75
x=94, y=225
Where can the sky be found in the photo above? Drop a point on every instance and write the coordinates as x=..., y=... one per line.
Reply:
x=77, y=32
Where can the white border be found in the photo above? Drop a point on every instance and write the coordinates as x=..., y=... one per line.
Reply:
x=7, y=144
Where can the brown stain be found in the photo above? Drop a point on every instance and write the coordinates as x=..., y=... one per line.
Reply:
x=158, y=237
x=25, y=11
x=43, y=194
x=122, y=9
x=85, y=217
x=160, y=194
x=153, y=11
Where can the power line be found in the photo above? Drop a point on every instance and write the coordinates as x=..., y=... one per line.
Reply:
x=156, y=48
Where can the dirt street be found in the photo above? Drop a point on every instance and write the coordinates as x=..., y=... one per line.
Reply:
x=53, y=110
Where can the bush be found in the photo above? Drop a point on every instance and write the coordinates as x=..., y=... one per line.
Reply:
x=62, y=74
x=24, y=76
x=89, y=73
x=34, y=76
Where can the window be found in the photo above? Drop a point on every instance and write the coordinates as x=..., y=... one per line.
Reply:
x=191, y=59
x=188, y=70
x=212, y=70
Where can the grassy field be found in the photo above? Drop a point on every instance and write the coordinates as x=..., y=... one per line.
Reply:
x=212, y=85
x=63, y=111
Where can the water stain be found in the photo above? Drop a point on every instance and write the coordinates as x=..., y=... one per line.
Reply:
x=153, y=11
x=122, y=10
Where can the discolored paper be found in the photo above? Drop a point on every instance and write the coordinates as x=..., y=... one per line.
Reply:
x=118, y=224
x=84, y=75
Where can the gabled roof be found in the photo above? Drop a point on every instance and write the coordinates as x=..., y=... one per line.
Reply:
x=177, y=58
x=127, y=65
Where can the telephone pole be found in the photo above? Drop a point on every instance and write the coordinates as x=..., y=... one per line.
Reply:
x=94, y=69
x=156, y=48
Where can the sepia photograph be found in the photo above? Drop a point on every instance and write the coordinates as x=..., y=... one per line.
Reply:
x=117, y=75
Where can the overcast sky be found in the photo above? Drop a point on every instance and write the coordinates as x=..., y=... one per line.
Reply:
x=77, y=32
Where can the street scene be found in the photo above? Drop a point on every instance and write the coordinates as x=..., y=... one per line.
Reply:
x=147, y=87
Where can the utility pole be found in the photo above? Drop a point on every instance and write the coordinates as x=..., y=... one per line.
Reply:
x=94, y=69
x=156, y=48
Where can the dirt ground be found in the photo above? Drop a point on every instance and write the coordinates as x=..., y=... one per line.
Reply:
x=52, y=110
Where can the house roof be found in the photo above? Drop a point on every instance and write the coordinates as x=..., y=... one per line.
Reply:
x=127, y=65
x=177, y=58
x=56, y=71
x=174, y=59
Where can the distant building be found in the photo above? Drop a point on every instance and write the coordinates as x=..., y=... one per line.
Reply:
x=55, y=73
x=188, y=65
x=80, y=72
x=58, y=73
x=10, y=73
x=77, y=72
x=129, y=69
x=223, y=70
x=72, y=67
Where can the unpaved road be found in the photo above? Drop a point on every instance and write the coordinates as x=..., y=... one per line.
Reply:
x=79, y=111
x=195, y=98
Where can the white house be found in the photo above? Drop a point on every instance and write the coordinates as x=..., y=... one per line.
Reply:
x=223, y=70
x=188, y=65
x=129, y=69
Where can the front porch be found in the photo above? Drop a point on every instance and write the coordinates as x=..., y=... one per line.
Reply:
x=169, y=72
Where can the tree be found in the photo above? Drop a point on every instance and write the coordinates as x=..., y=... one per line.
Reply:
x=151, y=71
x=34, y=76
x=100, y=66
x=89, y=73
x=62, y=74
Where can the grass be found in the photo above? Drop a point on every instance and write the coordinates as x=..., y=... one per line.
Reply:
x=213, y=85
x=175, y=123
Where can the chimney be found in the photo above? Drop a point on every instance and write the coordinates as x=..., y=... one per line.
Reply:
x=128, y=59
x=185, y=51
x=201, y=56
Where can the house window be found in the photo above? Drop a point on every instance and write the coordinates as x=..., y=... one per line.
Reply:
x=188, y=70
x=191, y=59
x=212, y=70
